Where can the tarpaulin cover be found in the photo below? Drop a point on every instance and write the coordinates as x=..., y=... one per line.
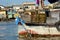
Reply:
x=37, y=1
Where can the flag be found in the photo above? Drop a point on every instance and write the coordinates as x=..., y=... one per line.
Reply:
x=37, y=1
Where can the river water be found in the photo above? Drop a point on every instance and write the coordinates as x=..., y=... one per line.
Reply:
x=8, y=31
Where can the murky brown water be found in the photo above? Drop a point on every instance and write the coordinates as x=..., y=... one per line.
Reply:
x=39, y=38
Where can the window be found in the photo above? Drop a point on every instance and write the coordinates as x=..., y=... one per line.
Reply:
x=47, y=13
x=0, y=8
x=20, y=8
x=26, y=6
x=57, y=8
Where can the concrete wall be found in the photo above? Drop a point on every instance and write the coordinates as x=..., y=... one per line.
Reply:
x=3, y=14
x=16, y=8
x=54, y=13
x=30, y=7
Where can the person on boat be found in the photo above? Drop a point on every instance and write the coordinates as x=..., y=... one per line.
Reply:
x=17, y=20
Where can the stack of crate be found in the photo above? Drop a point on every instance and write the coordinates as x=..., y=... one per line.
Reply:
x=42, y=17
x=26, y=17
x=33, y=17
x=38, y=17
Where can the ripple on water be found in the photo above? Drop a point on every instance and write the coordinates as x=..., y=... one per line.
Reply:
x=8, y=31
